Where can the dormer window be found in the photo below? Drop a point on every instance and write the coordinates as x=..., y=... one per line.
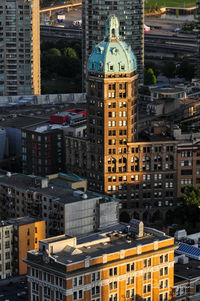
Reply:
x=100, y=49
x=111, y=68
x=122, y=67
x=100, y=66
x=114, y=50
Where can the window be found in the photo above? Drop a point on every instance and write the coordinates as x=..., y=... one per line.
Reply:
x=7, y=265
x=147, y=288
x=130, y=293
x=7, y=234
x=77, y=281
x=113, y=285
x=95, y=276
x=7, y=245
x=7, y=255
x=164, y=271
x=47, y=291
x=147, y=276
x=48, y=277
x=78, y=295
x=130, y=267
x=113, y=271
x=113, y=297
x=163, y=297
x=59, y=296
x=147, y=263
x=130, y=280
x=35, y=286
x=74, y=295
x=95, y=290
x=147, y=299
x=163, y=284
x=186, y=154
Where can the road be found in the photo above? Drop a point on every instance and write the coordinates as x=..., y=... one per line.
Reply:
x=10, y=289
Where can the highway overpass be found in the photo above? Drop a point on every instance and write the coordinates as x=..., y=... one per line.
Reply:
x=66, y=5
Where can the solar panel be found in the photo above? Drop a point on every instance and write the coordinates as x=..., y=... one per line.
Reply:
x=188, y=250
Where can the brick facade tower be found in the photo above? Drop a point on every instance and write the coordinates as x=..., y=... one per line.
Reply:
x=112, y=105
x=142, y=174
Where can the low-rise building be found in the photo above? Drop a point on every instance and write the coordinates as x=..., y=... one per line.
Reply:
x=41, y=143
x=188, y=164
x=119, y=263
x=62, y=200
x=187, y=266
x=17, y=236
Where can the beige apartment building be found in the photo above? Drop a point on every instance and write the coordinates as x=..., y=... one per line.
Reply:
x=19, y=47
x=17, y=236
x=113, y=265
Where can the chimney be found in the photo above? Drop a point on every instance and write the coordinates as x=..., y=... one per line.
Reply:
x=137, y=227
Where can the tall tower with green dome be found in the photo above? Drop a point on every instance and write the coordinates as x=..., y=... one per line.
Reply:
x=112, y=108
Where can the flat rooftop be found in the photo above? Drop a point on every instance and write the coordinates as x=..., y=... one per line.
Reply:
x=22, y=122
x=19, y=221
x=186, y=271
x=168, y=90
x=44, y=127
x=110, y=240
x=57, y=188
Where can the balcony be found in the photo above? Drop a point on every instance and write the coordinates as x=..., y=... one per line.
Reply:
x=28, y=201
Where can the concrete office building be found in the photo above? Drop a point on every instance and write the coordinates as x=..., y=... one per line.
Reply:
x=63, y=201
x=131, y=18
x=19, y=47
x=106, y=266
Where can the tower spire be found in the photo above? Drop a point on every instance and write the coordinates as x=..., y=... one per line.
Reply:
x=112, y=28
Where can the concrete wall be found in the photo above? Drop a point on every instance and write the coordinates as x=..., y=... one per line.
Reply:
x=14, y=141
x=108, y=213
x=28, y=237
x=80, y=217
x=46, y=99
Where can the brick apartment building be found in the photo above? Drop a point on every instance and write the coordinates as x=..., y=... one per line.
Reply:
x=188, y=162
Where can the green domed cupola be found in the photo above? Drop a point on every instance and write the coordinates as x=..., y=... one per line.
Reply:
x=112, y=55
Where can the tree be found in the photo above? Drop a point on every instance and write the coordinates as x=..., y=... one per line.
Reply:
x=186, y=70
x=169, y=69
x=54, y=51
x=149, y=77
x=155, y=67
x=70, y=52
x=191, y=195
